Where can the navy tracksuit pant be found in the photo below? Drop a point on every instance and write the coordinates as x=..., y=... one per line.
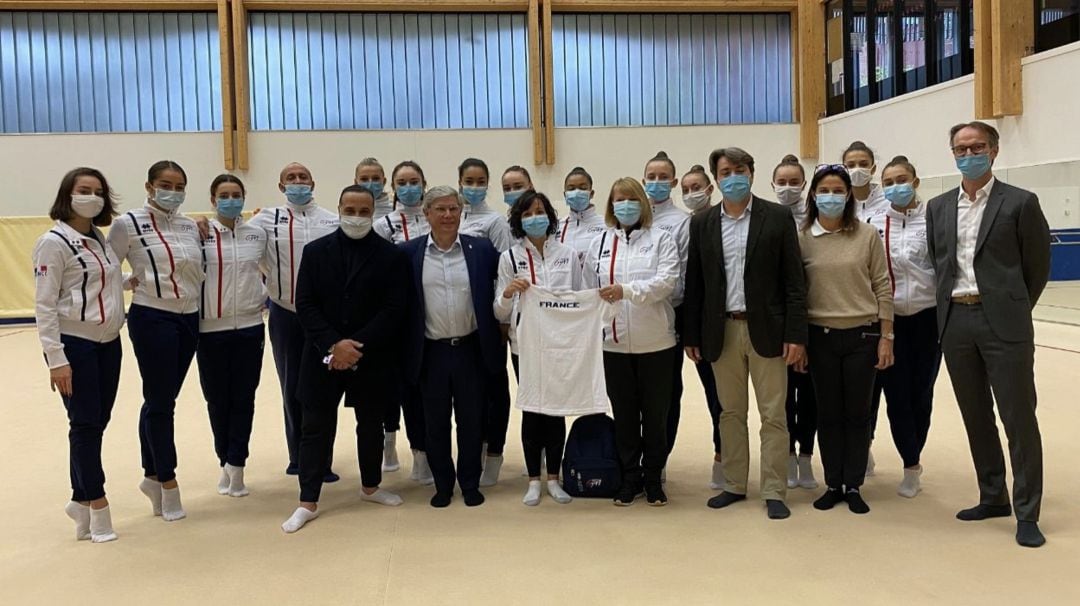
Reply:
x=95, y=376
x=164, y=344
x=230, y=363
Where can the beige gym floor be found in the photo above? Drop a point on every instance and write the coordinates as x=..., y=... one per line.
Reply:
x=233, y=551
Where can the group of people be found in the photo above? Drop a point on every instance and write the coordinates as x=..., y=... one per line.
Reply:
x=403, y=303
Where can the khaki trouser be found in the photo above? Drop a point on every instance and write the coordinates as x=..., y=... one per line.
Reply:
x=736, y=363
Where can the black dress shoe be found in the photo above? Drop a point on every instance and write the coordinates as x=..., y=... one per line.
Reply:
x=984, y=512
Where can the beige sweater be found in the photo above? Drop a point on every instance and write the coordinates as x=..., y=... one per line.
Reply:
x=847, y=277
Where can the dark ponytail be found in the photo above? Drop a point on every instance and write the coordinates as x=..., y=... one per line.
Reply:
x=661, y=156
x=790, y=160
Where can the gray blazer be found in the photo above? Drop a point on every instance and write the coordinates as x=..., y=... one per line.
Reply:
x=1012, y=257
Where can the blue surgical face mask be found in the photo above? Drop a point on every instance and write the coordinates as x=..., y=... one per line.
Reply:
x=230, y=208
x=831, y=206
x=169, y=200
x=298, y=193
x=512, y=196
x=900, y=195
x=735, y=187
x=973, y=167
x=409, y=195
x=658, y=191
x=628, y=212
x=375, y=187
x=474, y=195
x=536, y=225
x=577, y=199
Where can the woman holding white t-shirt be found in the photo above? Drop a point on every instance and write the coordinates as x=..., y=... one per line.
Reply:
x=535, y=259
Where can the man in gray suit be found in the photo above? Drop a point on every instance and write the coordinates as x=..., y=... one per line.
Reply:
x=990, y=245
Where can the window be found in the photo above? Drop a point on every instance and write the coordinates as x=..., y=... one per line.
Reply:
x=68, y=72
x=892, y=47
x=646, y=70
x=379, y=71
x=1057, y=23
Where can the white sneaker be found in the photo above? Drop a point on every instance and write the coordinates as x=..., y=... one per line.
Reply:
x=910, y=487
x=806, y=472
x=717, y=481
x=390, y=459
x=792, y=471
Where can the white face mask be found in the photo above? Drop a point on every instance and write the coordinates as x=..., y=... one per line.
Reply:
x=356, y=227
x=788, y=195
x=859, y=176
x=87, y=206
x=697, y=200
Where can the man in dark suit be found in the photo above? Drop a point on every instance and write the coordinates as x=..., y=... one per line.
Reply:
x=351, y=298
x=745, y=312
x=453, y=341
x=990, y=245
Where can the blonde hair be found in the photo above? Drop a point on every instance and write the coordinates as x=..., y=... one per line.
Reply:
x=370, y=162
x=633, y=187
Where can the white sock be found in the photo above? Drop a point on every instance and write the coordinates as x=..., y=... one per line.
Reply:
x=663, y=475
x=557, y=492
x=414, y=475
x=421, y=469
x=296, y=521
x=81, y=515
x=490, y=477
x=171, y=508
x=717, y=481
x=532, y=495
x=792, y=471
x=806, y=472
x=910, y=487
x=152, y=490
x=237, y=488
x=870, y=464
x=382, y=497
x=223, y=482
x=101, y=530
x=390, y=459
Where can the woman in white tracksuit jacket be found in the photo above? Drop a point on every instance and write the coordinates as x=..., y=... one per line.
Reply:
x=536, y=259
x=165, y=255
x=231, y=335
x=639, y=266
x=79, y=310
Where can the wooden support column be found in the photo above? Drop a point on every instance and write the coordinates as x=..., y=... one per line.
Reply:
x=549, y=87
x=1009, y=22
x=241, y=98
x=984, y=61
x=228, y=128
x=536, y=106
x=811, y=86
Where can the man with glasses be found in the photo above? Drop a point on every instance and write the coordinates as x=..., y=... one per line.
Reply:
x=453, y=341
x=990, y=245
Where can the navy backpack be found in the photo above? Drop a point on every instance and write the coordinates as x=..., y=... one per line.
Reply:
x=591, y=461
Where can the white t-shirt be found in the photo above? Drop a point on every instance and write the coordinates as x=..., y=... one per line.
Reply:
x=561, y=352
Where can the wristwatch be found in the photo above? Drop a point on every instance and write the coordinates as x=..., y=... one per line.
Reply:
x=888, y=335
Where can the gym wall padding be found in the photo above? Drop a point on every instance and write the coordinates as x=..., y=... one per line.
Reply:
x=17, y=237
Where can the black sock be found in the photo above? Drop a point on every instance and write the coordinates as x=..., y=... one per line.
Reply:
x=777, y=510
x=984, y=512
x=829, y=500
x=855, y=501
x=442, y=499
x=724, y=499
x=1029, y=535
x=472, y=498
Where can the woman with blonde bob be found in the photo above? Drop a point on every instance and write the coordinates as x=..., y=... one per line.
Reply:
x=637, y=268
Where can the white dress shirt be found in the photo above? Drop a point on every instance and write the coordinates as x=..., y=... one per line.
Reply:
x=735, y=232
x=969, y=216
x=448, y=305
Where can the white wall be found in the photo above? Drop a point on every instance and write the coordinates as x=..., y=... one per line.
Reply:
x=1040, y=150
x=33, y=164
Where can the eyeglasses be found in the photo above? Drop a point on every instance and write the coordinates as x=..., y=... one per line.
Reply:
x=834, y=167
x=964, y=150
x=445, y=210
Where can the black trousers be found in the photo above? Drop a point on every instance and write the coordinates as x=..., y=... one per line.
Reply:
x=95, y=376
x=287, y=344
x=708, y=384
x=909, y=383
x=317, y=442
x=842, y=366
x=875, y=404
x=540, y=433
x=984, y=370
x=230, y=363
x=406, y=398
x=801, y=412
x=639, y=387
x=164, y=345
x=497, y=411
x=452, y=384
